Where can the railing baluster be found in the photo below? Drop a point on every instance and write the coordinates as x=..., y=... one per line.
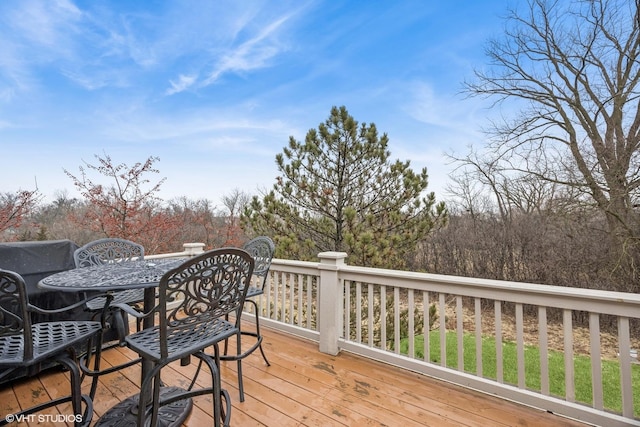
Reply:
x=276, y=292
x=299, y=305
x=371, y=318
x=411, y=315
x=426, y=329
x=569, y=375
x=358, y=312
x=283, y=299
x=443, y=330
x=383, y=317
x=499, y=357
x=292, y=297
x=543, y=341
x=347, y=311
x=596, y=362
x=478, y=330
x=520, y=345
x=396, y=320
x=460, y=332
x=310, y=300
x=625, y=367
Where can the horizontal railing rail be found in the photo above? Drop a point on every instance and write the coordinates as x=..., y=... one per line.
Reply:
x=190, y=250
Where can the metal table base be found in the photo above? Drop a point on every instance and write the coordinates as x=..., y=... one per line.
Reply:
x=125, y=413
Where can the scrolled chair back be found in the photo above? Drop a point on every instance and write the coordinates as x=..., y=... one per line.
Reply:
x=107, y=251
x=262, y=250
x=204, y=288
x=15, y=321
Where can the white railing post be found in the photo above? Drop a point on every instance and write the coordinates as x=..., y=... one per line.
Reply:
x=193, y=249
x=330, y=301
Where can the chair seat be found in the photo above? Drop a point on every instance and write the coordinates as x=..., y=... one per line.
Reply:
x=48, y=338
x=128, y=296
x=181, y=340
x=254, y=291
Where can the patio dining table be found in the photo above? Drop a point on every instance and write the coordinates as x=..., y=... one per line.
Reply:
x=140, y=274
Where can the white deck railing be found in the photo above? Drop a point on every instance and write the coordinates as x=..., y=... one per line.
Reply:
x=366, y=311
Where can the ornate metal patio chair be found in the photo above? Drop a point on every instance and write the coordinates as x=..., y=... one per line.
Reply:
x=261, y=249
x=108, y=251
x=203, y=292
x=26, y=345
x=100, y=252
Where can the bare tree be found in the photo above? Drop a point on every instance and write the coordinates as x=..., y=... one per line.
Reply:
x=201, y=221
x=572, y=68
x=14, y=209
x=235, y=202
x=55, y=219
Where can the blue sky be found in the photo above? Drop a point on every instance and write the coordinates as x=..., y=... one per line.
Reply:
x=215, y=88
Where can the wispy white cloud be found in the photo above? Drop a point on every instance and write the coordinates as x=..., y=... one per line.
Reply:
x=426, y=107
x=50, y=23
x=14, y=74
x=183, y=83
x=252, y=54
x=199, y=127
x=445, y=110
x=33, y=34
x=246, y=39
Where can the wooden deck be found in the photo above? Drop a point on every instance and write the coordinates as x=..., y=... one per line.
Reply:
x=303, y=387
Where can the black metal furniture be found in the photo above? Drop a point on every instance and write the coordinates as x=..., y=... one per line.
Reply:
x=34, y=261
x=24, y=344
x=109, y=251
x=111, y=278
x=261, y=250
x=204, y=291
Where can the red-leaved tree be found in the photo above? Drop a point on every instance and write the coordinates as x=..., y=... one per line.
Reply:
x=14, y=209
x=127, y=206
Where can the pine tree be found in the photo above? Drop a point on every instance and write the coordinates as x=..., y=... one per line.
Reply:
x=338, y=191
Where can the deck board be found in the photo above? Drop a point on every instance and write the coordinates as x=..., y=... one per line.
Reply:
x=304, y=387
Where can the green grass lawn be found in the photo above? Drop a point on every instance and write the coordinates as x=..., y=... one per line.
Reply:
x=582, y=367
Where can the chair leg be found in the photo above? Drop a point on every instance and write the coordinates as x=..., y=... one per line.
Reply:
x=96, y=363
x=239, y=351
x=258, y=334
x=156, y=400
x=218, y=412
x=226, y=341
x=76, y=397
x=213, y=362
x=217, y=395
x=152, y=380
x=239, y=355
x=95, y=342
x=225, y=411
